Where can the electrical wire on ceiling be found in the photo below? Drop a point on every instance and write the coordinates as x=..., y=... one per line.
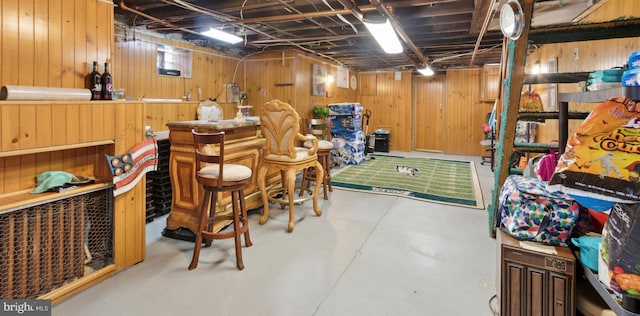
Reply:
x=227, y=18
x=292, y=9
x=242, y=18
x=436, y=60
x=341, y=17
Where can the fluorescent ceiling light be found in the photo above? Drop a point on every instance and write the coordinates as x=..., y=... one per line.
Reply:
x=383, y=32
x=426, y=71
x=222, y=36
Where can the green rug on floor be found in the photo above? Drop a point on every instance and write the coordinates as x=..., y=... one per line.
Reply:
x=435, y=180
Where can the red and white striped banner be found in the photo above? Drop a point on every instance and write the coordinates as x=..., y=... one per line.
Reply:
x=127, y=169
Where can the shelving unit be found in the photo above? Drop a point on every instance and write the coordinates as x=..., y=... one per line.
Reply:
x=562, y=115
x=516, y=78
x=60, y=243
x=159, y=183
x=608, y=298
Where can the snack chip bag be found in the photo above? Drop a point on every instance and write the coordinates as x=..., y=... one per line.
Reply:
x=530, y=101
x=602, y=157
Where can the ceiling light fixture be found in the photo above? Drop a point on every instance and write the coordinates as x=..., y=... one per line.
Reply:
x=381, y=29
x=426, y=71
x=222, y=36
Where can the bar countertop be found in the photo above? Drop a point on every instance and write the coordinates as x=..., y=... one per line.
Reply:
x=222, y=125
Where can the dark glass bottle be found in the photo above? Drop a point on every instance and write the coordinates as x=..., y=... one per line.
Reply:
x=107, y=85
x=93, y=82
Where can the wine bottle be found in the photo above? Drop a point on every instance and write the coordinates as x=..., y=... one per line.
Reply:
x=107, y=85
x=93, y=82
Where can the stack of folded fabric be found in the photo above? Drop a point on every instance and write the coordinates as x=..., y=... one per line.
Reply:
x=631, y=77
x=604, y=79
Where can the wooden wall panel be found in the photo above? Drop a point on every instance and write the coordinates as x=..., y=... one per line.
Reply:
x=337, y=95
x=464, y=113
x=368, y=85
x=271, y=76
x=135, y=70
x=391, y=108
x=10, y=43
x=26, y=40
x=41, y=42
x=68, y=46
x=613, y=9
x=157, y=115
x=304, y=101
x=51, y=42
x=54, y=39
x=286, y=75
x=129, y=220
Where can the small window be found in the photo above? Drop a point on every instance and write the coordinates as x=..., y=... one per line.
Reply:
x=173, y=61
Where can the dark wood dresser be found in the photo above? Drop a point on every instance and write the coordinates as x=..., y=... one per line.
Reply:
x=535, y=282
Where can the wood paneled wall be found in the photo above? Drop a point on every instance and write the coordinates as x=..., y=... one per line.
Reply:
x=157, y=115
x=271, y=76
x=135, y=70
x=390, y=103
x=286, y=75
x=51, y=43
x=614, y=9
x=465, y=112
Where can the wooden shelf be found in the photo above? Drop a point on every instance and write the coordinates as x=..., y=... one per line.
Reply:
x=567, y=77
x=517, y=171
x=80, y=284
x=535, y=147
x=24, y=199
x=605, y=294
x=542, y=116
x=591, y=96
x=585, y=32
x=37, y=150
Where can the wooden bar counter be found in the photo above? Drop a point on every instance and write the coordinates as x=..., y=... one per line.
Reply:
x=243, y=145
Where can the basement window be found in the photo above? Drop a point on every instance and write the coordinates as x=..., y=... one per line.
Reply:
x=172, y=61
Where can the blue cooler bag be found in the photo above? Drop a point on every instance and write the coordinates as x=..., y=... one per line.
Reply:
x=529, y=212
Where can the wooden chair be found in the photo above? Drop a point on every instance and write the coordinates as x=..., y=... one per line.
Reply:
x=321, y=129
x=216, y=177
x=280, y=125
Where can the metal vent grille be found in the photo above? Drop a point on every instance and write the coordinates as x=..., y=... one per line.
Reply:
x=45, y=246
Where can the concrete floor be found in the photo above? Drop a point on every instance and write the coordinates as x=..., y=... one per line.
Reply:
x=366, y=255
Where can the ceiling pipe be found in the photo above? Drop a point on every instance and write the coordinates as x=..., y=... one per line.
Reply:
x=487, y=19
x=123, y=6
x=341, y=17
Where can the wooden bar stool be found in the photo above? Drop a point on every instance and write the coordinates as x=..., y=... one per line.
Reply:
x=216, y=177
x=321, y=129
